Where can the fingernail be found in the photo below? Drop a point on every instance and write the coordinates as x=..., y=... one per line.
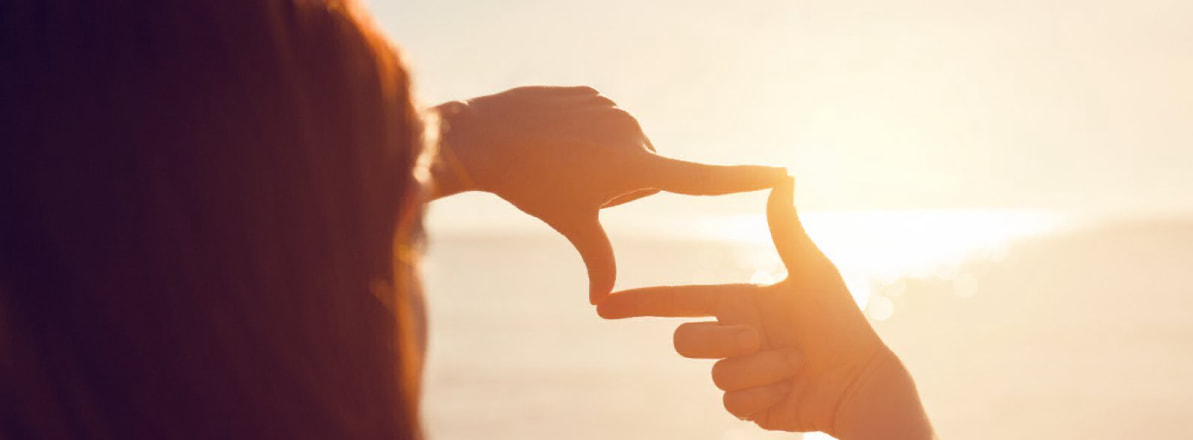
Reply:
x=747, y=340
x=795, y=359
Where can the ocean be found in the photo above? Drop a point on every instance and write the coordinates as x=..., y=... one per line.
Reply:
x=1014, y=324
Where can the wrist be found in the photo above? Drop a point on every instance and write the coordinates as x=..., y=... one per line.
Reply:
x=882, y=402
x=449, y=175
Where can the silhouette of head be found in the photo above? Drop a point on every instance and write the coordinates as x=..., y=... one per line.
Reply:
x=200, y=207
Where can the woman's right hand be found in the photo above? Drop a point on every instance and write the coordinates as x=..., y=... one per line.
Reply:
x=796, y=356
x=561, y=154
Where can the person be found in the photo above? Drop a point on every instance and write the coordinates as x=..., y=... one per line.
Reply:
x=211, y=214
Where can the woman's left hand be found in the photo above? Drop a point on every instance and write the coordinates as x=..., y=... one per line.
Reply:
x=561, y=154
x=798, y=355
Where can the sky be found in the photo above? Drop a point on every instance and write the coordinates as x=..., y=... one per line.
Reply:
x=912, y=107
x=873, y=105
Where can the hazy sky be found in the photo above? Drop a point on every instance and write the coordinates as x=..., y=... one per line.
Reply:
x=1071, y=105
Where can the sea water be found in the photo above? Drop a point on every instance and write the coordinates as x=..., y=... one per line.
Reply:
x=1015, y=324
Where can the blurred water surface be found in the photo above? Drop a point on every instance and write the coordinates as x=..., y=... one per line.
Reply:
x=1015, y=324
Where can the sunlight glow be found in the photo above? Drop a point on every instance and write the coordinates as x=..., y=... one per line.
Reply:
x=877, y=251
x=880, y=308
x=888, y=245
x=965, y=285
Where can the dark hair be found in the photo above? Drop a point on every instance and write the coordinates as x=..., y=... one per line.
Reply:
x=199, y=203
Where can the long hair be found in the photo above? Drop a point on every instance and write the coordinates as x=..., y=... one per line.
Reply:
x=199, y=206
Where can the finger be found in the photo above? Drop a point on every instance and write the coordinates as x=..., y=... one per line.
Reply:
x=630, y=196
x=547, y=91
x=588, y=237
x=755, y=369
x=671, y=301
x=711, y=340
x=683, y=177
x=795, y=248
x=745, y=403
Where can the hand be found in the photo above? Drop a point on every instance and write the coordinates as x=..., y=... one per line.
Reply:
x=795, y=352
x=561, y=154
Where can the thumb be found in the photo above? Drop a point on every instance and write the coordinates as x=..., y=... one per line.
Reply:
x=588, y=237
x=795, y=248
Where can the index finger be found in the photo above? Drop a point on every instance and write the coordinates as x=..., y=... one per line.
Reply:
x=671, y=301
x=692, y=178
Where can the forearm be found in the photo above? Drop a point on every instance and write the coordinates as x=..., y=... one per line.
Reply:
x=883, y=404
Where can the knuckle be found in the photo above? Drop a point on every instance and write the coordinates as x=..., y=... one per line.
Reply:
x=623, y=120
x=605, y=101
x=621, y=116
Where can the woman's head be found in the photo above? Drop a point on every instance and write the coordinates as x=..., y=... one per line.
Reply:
x=200, y=207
